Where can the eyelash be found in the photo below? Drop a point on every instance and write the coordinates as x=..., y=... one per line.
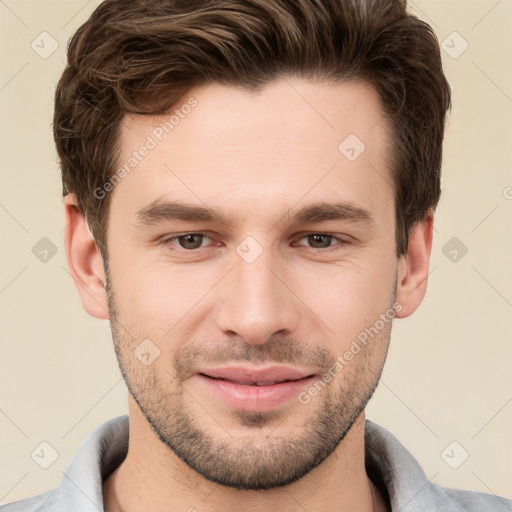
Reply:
x=169, y=240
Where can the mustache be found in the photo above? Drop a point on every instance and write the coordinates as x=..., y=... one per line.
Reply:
x=276, y=350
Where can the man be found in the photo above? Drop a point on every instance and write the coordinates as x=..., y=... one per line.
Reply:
x=249, y=192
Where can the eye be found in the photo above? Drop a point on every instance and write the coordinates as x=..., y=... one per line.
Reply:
x=187, y=241
x=190, y=242
x=322, y=241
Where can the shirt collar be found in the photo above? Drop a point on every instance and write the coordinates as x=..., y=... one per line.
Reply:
x=388, y=463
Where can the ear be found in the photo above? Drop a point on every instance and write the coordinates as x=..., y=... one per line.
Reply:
x=413, y=267
x=84, y=261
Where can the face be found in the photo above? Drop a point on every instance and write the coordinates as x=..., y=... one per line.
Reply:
x=290, y=262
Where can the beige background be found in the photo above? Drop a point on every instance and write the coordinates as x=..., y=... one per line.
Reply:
x=448, y=374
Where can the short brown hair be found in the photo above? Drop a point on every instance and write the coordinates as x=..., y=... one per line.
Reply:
x=142, y=56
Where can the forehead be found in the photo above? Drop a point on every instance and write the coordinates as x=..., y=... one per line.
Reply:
x=227, y=145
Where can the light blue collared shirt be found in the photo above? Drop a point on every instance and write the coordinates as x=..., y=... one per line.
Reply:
x=388, y=463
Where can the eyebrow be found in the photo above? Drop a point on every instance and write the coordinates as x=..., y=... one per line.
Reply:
x=162, y=211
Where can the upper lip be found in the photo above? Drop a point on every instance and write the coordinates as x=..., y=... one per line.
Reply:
x=247, y=375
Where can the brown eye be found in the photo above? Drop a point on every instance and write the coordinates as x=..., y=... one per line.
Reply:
x=190, y=241
x=320, y=241
x=186, y=242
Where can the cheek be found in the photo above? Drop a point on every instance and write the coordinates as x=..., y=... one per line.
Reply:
x=163, y=299
x=155, y=297
x=347, y=297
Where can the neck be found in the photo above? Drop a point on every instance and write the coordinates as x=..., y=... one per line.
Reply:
x=153, y=478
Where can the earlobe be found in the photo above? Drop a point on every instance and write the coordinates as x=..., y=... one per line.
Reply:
x=413, y=268
x=85, y=261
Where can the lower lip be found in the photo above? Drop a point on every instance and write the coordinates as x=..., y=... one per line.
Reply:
x=252, y=397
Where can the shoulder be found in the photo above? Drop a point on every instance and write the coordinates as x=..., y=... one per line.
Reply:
x=80, y=487
x=458, y=500
x=409, y=489
x=47, y=501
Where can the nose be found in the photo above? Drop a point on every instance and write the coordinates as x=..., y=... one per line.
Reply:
x=257, y=300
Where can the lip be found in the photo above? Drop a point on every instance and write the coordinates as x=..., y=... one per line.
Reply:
x=248, y=375
x=247, y=389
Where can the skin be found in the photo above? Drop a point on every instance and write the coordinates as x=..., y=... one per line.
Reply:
x=259, y=157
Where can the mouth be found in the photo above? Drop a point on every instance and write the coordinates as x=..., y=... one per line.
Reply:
x=255, y=383
x=247, y=375
x=251, y=389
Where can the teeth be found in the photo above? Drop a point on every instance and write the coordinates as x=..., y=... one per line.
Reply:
x=257, y=383
x=265, y=383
